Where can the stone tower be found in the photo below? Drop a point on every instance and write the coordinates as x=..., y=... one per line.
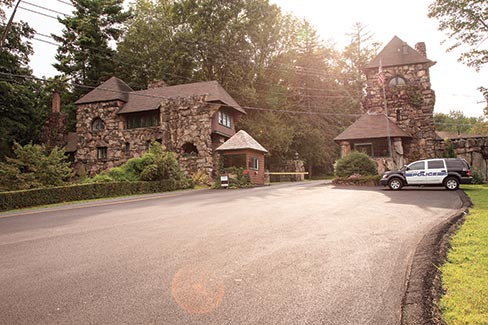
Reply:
x=409, y=97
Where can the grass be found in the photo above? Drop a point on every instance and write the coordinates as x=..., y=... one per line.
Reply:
x=465, y=273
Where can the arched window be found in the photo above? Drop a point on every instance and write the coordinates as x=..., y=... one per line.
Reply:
x=189, y=150
x=97, y=124
x=396, y=81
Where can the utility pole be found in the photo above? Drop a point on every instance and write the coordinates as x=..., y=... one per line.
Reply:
x=9, y=25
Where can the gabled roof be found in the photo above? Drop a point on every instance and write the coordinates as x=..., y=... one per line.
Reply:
x=241, y=140
x=371, y=126
x=396, y=53
x=150, y=99
x=112, y=89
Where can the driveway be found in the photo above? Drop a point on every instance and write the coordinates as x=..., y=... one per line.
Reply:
x=295, y=253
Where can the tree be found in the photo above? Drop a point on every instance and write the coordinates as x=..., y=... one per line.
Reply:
x=455, y=121
x=85, y=55
x=355, y=56
x=32, y=166
x=189, y=40
x=21, y=117
x=466, y=24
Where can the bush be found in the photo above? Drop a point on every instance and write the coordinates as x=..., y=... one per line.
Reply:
x=237, y=178
x=42, y=196
x=32, y=166
x=477, y=177
x=371, y=180
x=356, y=163
x=154, y=165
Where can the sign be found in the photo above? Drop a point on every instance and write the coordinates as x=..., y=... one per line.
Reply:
x=224, y=181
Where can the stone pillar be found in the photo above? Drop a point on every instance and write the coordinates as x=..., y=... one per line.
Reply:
x=398, y=152
x=345, y=148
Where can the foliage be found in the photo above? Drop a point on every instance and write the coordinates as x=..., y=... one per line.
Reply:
x=200, y=178
x=33, y=167
x=21, y=118
x=85, y=54
x=188, y=40
x=455, y=121
x=237, y=178
x=449, y=152
x=355, y=163
x=77, y=192
x=465, y=24
x=154, y=165
x=477, y=176
x=465, y=272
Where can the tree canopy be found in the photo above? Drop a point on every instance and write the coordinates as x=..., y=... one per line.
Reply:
x=466, y=24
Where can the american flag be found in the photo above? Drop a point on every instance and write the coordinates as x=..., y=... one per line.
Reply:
x=380, y=75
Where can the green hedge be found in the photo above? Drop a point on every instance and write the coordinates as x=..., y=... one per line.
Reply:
x=34, y=197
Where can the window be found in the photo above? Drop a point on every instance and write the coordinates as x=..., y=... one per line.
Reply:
x=417, y=166
x=224, y=119
x=142, y=120
x=97, y=124
x=435, y=164
x=235, y=161
x=189, y=150
x=254, y=163
x=366, y=148
x=396, y=81
x=101, y=153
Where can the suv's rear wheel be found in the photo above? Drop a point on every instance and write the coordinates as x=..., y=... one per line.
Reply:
x=451, y=183
x=395, y=184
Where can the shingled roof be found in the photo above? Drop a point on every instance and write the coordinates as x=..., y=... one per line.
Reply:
x=150, y=99
x=112, y=89
x=396, y=53
x=241, y=140
x=371, y=126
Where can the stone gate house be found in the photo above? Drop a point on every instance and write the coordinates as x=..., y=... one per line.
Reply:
x=115, y=123
x=405, y=127
x=243, y=151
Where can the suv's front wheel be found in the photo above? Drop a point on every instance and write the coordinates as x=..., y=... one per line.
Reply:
x=395, y=184
x=451, y=183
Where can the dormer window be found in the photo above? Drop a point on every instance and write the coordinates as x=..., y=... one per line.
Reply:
x=396, y=81
x=224, y=119
x=97, y=124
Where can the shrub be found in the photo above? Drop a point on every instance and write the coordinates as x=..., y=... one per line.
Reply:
x=42, y=196
x=237, y=178
x=154, y=165
x=477, y=177
x=355, y=163
x=32, y=166
x=200, y=177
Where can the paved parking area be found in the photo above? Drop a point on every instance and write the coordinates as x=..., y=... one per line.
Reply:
x=294, y=253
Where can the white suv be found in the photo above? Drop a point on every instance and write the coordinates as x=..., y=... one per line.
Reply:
x=447, y=172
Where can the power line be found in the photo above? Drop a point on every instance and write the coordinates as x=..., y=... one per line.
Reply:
x=38, y=13
x=44, y=8
x=135, y=93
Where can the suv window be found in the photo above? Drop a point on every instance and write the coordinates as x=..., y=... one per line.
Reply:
x=456, y=164
x=417, y=166
x=435, y=164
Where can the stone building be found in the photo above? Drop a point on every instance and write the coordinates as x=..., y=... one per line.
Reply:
x=397, y=126
x=115, y=123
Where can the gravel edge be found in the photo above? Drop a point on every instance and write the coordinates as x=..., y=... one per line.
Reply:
x=423, y=284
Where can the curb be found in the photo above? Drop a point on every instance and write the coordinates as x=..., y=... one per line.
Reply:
x=423, y=284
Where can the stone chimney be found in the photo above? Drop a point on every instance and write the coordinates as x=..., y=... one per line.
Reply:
x=56, y=102
x=420, y=47
x=157, y=84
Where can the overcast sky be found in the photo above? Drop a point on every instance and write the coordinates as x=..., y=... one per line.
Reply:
x=454, y=83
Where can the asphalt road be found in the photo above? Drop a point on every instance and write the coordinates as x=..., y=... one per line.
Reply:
x=302, y=253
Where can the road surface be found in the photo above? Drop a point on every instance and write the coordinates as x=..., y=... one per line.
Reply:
x=302, y=253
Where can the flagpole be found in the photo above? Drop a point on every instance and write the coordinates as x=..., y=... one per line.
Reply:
x=381, y=78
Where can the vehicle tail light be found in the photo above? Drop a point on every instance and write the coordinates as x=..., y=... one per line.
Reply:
x=469, y=172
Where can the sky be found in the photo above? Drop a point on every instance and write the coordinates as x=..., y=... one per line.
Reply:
x=455, y=84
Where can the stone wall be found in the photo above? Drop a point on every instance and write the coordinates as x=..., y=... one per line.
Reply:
x=474, y=149
x=411, y=106
x=182, y=120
